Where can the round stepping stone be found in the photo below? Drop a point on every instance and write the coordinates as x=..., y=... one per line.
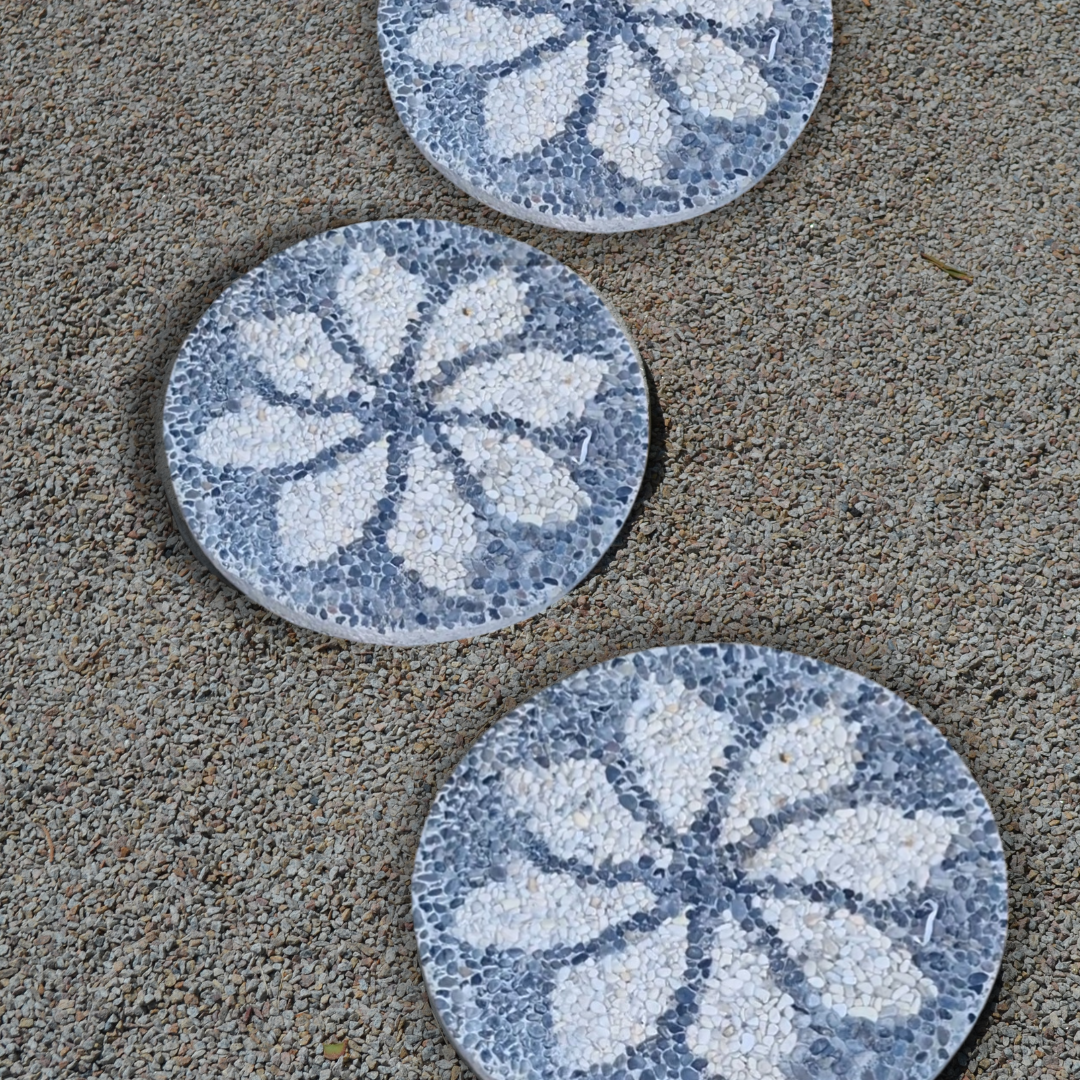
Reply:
x=405, y=432
x=710, y=861
x=604, y=116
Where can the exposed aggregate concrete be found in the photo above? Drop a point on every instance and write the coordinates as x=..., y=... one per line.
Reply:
x=209, y=816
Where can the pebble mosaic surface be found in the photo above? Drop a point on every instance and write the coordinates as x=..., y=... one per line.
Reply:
x=710, y=861
x=605, y=115
x=406, y=431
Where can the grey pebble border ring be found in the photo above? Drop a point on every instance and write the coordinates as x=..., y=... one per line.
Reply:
x=711, y=861
x=405, y=432
x=605, y=115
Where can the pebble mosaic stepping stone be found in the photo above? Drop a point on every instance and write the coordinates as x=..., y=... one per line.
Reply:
x=405, y=432
x=710, y=861
x=605, y=115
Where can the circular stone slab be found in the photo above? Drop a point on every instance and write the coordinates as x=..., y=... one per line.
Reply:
x=710, y=861
x=405, y=432
x=605, y=115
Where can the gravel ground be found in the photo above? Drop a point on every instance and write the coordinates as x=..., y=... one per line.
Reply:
x=208, y=816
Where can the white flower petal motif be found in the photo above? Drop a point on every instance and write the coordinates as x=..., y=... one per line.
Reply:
x=381, y=298
x=712, y=77
x=295, y=354
x=435, y=529
x=576, y=812
x=264, y=436
x=744, y=1025
x=531, y=104
x=858, y=970
x=872, y=849
x=729, y=13
x=805, y=757
x=677, y=742
x=604, y=1005
x=469, y=34
x=633, y=122
x=540, y=387
x=533, y=910
x=327, y=510
x=525, y=484
x=475, y=314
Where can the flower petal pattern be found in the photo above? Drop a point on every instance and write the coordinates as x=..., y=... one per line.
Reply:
x=633, y=122
x=677, y=742
x=265, y=436
x=712, y=77
x=540, y=387
x=806, y=757
x=295, y=354
x=589, y=129
x=531, y=104
x=351, y=337
x=576, y=812
x=757, y=972
x=533, y=910
x=604, y=1005
x=858, y=970
x=435, y=529
x=744, y=1025
x=519, y=478
x=475, y=314
x=731, y=13
x=327, y=510
x=382, y=298
x=873, y=849
x=469, y=33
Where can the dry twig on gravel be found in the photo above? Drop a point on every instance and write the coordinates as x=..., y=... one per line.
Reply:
x=952, y=271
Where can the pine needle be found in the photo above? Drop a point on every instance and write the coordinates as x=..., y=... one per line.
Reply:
x=952, y=271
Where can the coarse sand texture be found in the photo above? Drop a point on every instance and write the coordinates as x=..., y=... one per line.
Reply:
x=209, y=814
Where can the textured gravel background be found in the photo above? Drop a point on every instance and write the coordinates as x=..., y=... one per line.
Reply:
x=208, y=817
